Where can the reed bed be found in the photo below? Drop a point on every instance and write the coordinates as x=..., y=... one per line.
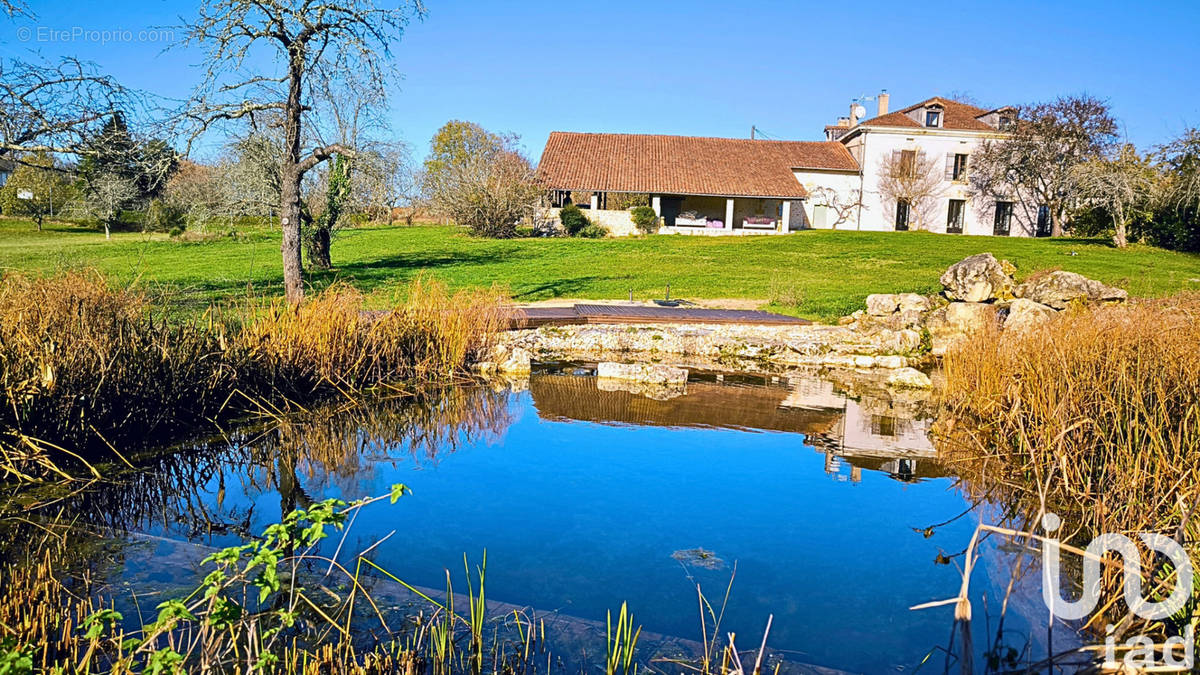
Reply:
x=87, y=368
x=1095, y=416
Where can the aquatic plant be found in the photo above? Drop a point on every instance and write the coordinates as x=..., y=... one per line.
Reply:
x=88, y=370
x=1094, y=416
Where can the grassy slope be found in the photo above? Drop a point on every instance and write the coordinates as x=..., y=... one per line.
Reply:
x=831, y=271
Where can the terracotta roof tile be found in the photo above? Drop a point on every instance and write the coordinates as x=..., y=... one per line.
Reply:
x=684, y=164
x=958, y=116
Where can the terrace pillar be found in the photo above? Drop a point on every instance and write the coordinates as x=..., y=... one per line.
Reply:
x=729, y=213
x=656, y=204
x=595, y=201
x=787, y=215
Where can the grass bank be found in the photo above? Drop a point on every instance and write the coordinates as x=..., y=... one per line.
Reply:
x=90, y=368
x=1094, y=416
x=816, y=274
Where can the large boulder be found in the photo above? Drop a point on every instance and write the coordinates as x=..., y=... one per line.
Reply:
x=882, y=304
x=978, y=278
x=954, y=322
x=1058, y=289
x=1024, y=314
x=914, y=302
x=971, y=317
x=909, y=378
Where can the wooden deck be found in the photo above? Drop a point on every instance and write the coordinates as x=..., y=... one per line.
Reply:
x=534, y=317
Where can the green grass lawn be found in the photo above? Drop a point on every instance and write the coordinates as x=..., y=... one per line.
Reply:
x=827, y=273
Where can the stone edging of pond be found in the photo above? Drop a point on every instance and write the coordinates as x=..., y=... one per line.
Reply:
x=746, y=348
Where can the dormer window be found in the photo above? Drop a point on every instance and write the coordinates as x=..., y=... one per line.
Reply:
x=1004, y=122
x=933, y=118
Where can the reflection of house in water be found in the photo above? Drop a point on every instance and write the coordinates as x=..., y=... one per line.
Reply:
x=876, y=432
x=870, y=432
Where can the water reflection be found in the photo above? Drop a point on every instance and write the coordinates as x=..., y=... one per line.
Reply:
x=856, y=424
x=587, y=493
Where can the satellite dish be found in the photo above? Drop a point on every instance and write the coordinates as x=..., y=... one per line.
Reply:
x=860, y=111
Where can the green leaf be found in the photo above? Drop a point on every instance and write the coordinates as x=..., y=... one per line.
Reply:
x=398, y=491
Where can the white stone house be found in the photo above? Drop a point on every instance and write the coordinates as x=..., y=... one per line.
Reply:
x=723, y=186
x=937, y=135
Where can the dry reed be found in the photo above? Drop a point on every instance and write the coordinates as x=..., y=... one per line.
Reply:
x=1094, y=415
x=86, y=368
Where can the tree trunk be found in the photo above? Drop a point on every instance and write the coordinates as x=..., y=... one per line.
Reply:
x=1119, y=237
x=289, y=220
x=290, y=176
x=38, y=220
x=318, y=248
x=1056, y=224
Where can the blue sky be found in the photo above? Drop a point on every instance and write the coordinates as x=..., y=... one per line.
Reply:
x=714, y=69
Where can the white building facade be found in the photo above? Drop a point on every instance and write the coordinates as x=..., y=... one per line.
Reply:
x=903, y=170
x=924, y=149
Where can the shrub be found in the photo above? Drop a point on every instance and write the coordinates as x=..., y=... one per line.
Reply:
x=573, y=219
x=163, y=217
x=175, y=232
x=592, y=231
x=645, y=219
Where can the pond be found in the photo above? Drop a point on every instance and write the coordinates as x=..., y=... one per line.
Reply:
x=822, y=501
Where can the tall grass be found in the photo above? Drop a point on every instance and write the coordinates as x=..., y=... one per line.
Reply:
x=87, y=368
x=1094, y=415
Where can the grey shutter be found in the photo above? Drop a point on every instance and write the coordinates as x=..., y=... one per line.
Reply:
x=950, y=166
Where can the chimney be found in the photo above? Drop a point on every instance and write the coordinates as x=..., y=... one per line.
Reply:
x=853, y=115
x=883, y=102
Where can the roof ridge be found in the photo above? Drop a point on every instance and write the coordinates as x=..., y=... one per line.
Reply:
x=691, y=138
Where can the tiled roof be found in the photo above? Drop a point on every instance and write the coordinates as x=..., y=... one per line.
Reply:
x=958, y=116
x=684, y=164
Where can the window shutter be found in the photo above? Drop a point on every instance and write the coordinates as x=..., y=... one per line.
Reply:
x=950, y=166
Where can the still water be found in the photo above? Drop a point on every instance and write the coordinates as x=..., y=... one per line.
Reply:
x=816, y=497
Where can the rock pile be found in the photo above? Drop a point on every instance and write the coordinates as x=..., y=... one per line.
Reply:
x=979, y=294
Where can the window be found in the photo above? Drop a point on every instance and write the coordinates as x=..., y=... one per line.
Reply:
x=908, y=163
x=960, y=167
x=902, y=215
x=1004, y=123
x=1043, y=221
x=954, y=216
x=1003, y=223
x=933, y=118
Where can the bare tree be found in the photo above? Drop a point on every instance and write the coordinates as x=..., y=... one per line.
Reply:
x=912, y=177
x=104, y=199
x=311, y=41
x=1181, y=160
x=490, y=192
x=1036, y=160
x=56, y=107
x=844, y=210
x=1121, y=185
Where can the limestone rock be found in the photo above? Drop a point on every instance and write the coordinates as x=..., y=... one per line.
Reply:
x=1024, y=314
x=970, y=317
x=1058, y=289
x=891, y=362
x=909, y=378
x=914, y=302
x=882, y=304
x=641, y=372
x=515, y=362
x=954, y=322
x=864, y=361
x=978, y=278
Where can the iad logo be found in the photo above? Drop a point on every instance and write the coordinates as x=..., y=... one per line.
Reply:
x=1140, y=647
